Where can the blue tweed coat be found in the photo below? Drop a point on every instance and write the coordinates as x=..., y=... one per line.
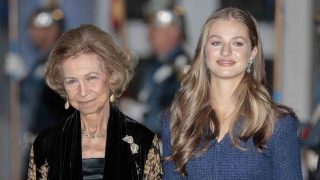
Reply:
x=280, y=160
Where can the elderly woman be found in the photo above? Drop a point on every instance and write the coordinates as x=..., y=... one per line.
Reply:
x=97, y=141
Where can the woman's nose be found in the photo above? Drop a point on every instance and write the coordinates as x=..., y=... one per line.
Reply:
x=83, y=89
x=226, y=50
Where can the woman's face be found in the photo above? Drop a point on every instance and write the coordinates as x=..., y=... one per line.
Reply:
x=228, y=49
x=86, y=83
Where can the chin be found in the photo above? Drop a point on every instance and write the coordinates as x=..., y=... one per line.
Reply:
x=229, y=75
x=88, y=111
x=88, y=108
x=91, y=109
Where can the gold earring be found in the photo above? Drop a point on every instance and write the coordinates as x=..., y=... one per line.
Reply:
x=112, y=98
x=66, y=105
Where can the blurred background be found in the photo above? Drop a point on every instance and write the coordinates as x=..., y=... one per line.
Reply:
x=290, y=32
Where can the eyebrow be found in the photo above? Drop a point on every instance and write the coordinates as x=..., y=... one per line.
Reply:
x=219, y=37
x=91, y=73
x=86, y=75
x=213, y=35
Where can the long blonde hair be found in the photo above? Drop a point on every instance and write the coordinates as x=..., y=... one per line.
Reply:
x=192, y=118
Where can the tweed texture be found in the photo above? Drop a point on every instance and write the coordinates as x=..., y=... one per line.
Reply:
x=280, y=160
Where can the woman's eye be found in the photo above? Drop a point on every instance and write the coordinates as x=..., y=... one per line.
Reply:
x=91, y=77
x=216, y=43
x=70, y=82
x=239, y=44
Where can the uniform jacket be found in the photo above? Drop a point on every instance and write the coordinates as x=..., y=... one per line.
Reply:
x=160, y=84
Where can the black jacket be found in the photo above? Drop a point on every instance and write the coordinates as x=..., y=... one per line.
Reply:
x=57, y=151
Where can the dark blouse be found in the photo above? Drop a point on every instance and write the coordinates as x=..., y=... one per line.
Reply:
x=93, y=168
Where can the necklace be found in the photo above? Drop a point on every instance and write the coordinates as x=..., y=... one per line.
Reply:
x=101, y=135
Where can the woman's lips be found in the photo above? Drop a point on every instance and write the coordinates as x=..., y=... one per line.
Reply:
x=225, y=62
x=86, y=102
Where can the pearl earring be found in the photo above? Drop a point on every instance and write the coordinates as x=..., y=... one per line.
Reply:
x=66, y=105
x=112, y=98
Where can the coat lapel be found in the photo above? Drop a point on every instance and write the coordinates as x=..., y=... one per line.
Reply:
x=70, y=153
x=119, y=162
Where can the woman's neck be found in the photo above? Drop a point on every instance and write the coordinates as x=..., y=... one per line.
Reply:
x=96, y=122
x=222, y=92
x=223, y=102
x=222, y=98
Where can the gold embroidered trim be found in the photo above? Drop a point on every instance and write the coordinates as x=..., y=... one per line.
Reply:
x=32, y=166
x=44, y=170
x=152, y=167
x=32, y=170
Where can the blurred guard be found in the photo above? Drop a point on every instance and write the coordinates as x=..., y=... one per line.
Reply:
x=41, y=106
x=166, y=65
x=44, y=27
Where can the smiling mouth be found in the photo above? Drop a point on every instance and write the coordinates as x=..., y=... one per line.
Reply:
x=225, y=62
x=86, y=102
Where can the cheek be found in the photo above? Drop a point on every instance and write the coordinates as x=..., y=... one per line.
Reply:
x=211, y=55
x=71, y=93
x=207, y=54
x=207, y=57
x=212, y=52
x=242, y=55
x=102, y=89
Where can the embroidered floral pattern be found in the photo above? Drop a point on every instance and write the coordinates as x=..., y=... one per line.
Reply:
x=44, y=170
x=133, y=146
x=32, y=166
x=152, y=167
x=32, y=171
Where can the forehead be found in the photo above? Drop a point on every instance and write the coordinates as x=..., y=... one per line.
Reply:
x=228, y=27
x=82, y=65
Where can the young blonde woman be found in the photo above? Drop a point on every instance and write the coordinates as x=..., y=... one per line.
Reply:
x=222, y=123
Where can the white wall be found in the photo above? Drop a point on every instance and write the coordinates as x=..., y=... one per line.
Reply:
x=297, y=56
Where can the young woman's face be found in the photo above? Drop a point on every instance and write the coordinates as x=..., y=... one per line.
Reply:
x=86, y=83
x=228, y=49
